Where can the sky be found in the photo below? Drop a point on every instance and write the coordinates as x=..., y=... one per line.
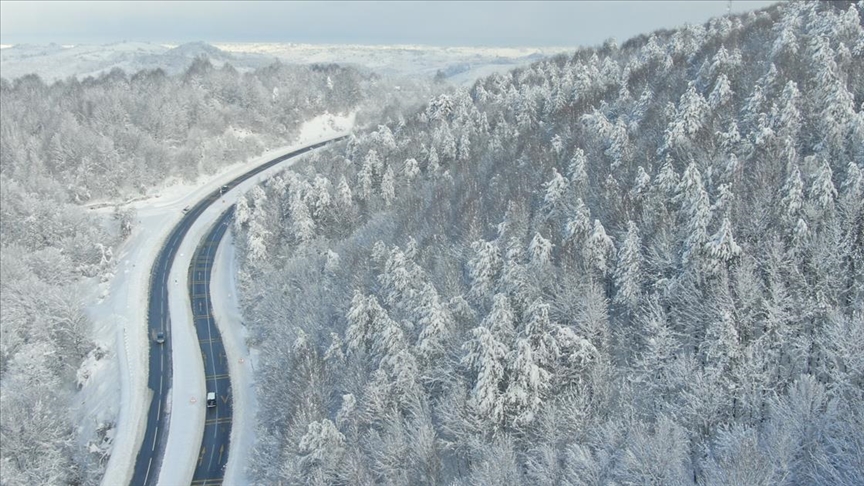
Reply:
x=448, y=23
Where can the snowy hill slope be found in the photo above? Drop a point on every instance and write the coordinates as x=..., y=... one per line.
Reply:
x=462, y=64
x=55, y=62
x=468, y=63
x=634, y=264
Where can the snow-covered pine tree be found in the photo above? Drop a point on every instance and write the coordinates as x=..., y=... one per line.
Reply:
x=598, y=249
x=628, y=269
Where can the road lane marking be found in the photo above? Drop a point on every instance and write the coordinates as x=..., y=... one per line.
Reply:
x=201, y=456
x=213, y=452
x=171, y=250
x=216, y=421
x=147, y=474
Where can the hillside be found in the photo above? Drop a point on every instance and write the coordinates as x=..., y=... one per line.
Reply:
x=55, y=63
x=633, y=264
x=69, y=152
x=459, y=65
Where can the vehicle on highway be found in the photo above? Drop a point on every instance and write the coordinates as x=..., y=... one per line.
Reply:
x=160, y=337
x=223, y=190
x=211, y=399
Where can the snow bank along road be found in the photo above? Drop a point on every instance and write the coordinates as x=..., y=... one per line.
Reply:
x=152, y=448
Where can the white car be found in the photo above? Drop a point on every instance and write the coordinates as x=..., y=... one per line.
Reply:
x=211, y=399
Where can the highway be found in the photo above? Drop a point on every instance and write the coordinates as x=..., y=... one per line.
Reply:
x=152, y=448
x=217, y=427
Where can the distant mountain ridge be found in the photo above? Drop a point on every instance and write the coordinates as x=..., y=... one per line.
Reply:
x=54, y=62
x=460, y=65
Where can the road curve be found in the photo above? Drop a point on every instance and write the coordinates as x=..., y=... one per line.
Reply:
x=213, y=456
x=152, y=448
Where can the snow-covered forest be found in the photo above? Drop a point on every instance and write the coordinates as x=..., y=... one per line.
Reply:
x=636, y=264
x=120, y=134
x=103, y=141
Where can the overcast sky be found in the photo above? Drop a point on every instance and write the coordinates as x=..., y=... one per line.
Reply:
x=431, y=23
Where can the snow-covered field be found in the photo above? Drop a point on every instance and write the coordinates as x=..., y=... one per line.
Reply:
x=55, y=62
x=462, y=65
x=116, y=385
x=468, y=63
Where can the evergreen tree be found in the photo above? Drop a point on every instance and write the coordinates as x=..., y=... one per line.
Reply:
x=822, y=191
x=388, y=186
x=721, y=248
x=486, y=356
x=598, y=249
x=577, y=171
x=793, y=197
x=554, y=201
x=344, y=196
x=322, y=448
x=690, y=118
x=540, y=250
x=485, y=268
x=579, y=224
x=303, y=225
x=628, y=270
x=436, y=324
x=527, y=383
x=721, y=94
x=241, y=213
x=696, y=211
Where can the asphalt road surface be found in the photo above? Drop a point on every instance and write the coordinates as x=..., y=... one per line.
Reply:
x=217, y=427
x=152, y=449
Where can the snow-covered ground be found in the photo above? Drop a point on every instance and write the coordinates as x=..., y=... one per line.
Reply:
x=462, y=65
x=55, y=62
x=115, y=386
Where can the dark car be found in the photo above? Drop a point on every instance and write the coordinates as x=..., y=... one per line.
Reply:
x=160, y=337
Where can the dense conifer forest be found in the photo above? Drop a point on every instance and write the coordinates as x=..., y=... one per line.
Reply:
x=636, y=264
